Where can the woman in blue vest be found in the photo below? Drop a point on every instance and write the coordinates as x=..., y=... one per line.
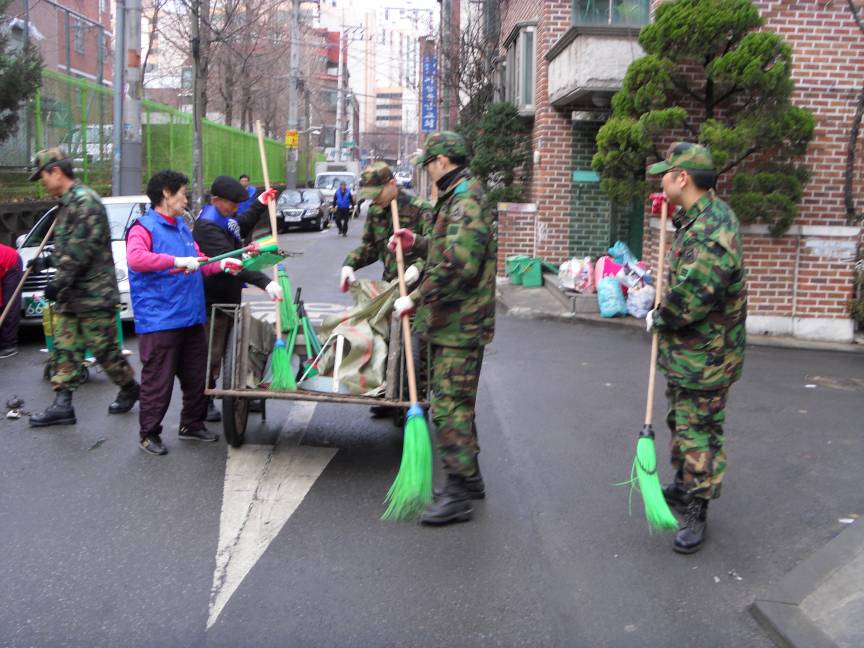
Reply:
x=169, y=312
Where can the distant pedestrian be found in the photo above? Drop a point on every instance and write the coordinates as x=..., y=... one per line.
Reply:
x=251, y=190
x=84, y=291
x=169, y=312
x=11, y=270
x=218, y=229
x=455, y=302
x=343, y=201
x=701, y=327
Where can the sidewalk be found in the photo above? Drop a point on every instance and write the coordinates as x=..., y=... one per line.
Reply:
x=550, y=303
x=820, y=603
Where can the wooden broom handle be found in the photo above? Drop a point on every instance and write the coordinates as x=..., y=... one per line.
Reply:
x=403, y=292
x=652, y=372
x=27, y=272
x=271, y=206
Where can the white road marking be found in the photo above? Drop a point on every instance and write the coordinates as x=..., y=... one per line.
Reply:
x=264, y=485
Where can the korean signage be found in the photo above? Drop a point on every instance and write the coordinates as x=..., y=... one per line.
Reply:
x=429, y=95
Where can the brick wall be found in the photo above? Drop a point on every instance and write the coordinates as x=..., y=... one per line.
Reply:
x=589, y=207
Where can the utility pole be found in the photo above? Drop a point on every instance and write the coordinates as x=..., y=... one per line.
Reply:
x=293, y=94
x=130, y=162
x=117, y=96
x=340, y=96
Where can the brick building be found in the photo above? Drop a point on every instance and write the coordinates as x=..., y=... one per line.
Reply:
x=564, y=61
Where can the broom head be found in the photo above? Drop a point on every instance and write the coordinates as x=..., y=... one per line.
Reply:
x=287, y=307
x=657, y=511
x=283, y=375
x=412, y=489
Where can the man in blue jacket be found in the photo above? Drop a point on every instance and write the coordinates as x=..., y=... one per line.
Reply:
x=343, y=201
x=251, y=190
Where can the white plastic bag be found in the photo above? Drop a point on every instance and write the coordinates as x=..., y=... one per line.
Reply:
x=577, y=274
x=640, y=301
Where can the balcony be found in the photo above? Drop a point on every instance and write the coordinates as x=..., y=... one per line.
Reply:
x=588, y=63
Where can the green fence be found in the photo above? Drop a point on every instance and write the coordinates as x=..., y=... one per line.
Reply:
x=77, y=114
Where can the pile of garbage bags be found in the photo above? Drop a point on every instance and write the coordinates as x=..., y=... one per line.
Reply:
x=623, y=283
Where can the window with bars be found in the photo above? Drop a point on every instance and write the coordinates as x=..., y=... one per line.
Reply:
x=520, y=69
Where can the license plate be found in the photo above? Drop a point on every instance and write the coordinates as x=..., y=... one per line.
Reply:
x=33, y=307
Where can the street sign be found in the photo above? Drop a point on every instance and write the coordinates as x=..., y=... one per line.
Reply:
x=292, y=139
x=429, y=95
x=348, y=144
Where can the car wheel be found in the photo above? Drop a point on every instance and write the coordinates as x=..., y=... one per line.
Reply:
x=281, y=228
x=321, y=225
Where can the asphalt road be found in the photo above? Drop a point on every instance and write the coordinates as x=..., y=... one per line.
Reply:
x=103, y=545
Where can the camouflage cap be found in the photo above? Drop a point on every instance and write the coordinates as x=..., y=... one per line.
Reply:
x=684, y=155
x=45, y=159
x=443, y=143
x=373, y=179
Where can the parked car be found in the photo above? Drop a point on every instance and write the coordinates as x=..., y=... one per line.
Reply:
x=301, y=208
x=328, y=183
x=123, y=211
x=404, y=178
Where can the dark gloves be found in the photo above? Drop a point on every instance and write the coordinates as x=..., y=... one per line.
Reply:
x=51, y=292
x=40, y=263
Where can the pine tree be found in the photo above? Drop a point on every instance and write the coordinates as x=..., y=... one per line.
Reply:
x=708, y=73
x=501, y=148
x=20, y=77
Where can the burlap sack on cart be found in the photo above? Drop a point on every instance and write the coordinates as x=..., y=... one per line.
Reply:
x=366, y=328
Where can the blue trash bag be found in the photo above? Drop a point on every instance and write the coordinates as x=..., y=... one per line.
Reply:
x=610, y=298
x=620, y=253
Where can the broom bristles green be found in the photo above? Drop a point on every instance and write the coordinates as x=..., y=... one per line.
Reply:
x=657, y=511
x=288, y=310
x=283, y=374
x=412, y=489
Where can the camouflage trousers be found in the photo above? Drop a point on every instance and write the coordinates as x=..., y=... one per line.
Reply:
x=455, y=376
x=96, y=332
x=695, y=419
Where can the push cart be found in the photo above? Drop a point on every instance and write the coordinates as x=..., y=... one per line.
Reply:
x=248, y=346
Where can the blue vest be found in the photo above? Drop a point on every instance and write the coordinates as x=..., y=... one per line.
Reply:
x=163, y=301
x=343, y=200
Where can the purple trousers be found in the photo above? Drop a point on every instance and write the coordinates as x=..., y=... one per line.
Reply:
x=164, y=355
x=9, y=330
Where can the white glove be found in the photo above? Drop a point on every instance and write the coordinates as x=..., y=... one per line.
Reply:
x=403, y=305
x=346, y=278
x=189, y=264
x=412, y=274
x=231, y=266
x=649, y=320
x=275, y=291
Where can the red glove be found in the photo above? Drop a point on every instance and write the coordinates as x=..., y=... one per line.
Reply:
x=231, y=266
x=657, y=200
x=267, y=196
x=406, y=236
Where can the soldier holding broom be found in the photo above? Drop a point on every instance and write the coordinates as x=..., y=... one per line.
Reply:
x=455, y=304
x=701, y=327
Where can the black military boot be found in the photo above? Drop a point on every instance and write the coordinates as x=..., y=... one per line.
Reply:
x=60, y=412
x=126, y=398
x=452, y=505
x=690, y=537
x=474, y=486
x=676, y=497
x=213, y=414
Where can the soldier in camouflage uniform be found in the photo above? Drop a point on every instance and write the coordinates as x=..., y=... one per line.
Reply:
x=456, y=315
x=701, y=327
x=84, y=292
x=379, y=187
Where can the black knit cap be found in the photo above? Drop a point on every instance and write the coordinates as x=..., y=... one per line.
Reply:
x=228, y=188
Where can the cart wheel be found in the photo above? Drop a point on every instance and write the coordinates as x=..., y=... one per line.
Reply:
x=46, y=373
x=235, y=414
x=235, y=411
x=85, y=374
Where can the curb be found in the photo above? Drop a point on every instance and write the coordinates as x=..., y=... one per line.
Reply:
x=779, y=611
x=523, y=312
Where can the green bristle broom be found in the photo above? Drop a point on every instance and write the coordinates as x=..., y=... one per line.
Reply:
x=412, y=489
x=283, y=375
x=644, y=471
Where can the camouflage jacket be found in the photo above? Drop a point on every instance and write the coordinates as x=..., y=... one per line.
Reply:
x=414, y=214
x=85, y=277
x=701, y=319
x=456, y=297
